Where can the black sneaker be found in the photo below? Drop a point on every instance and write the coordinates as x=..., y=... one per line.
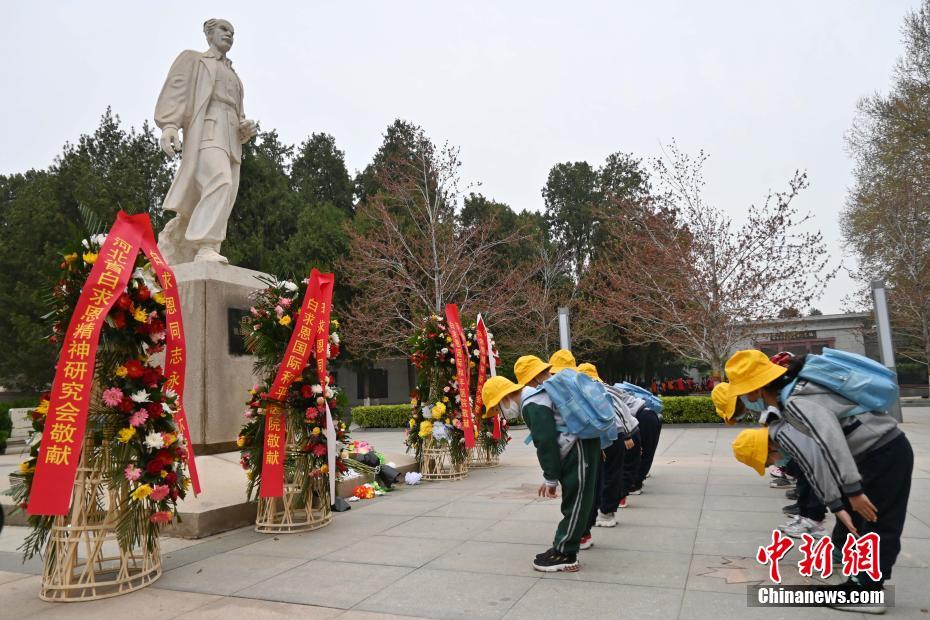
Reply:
x=792, y=495
x=876, y=607
x=781, y=483
x=791, y=509
x=553, y=561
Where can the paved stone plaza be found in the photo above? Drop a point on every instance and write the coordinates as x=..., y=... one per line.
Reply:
x=463, y=550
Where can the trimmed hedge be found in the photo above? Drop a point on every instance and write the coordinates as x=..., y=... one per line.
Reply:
x=381, y=416
x=689, y=410
x=676, y=410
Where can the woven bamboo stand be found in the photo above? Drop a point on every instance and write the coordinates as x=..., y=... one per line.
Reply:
x=483, y=456
x=83, y=561
x=304, y=507
x=436, y=462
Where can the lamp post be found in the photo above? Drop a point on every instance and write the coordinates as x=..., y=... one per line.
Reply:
x=565, y=334
x=885, y=343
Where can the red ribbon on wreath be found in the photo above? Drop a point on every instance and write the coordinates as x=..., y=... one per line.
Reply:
x=69, y=400
x=296, y=357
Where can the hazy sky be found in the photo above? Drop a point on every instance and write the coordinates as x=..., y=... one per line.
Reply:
x=764, y=87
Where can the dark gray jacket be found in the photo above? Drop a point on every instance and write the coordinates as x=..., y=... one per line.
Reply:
x=834, y=444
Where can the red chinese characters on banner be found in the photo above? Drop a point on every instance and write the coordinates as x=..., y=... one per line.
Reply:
x=462, y=371
x=774, y=552
x=861, y=556
x=295, y=360
x=817, y=555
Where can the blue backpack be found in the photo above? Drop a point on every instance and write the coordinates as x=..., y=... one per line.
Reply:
x=584, y=405
x=652, y=401
x=868, y=384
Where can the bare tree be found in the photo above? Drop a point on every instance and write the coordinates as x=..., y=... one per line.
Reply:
x=679, y=272
x=410, y=254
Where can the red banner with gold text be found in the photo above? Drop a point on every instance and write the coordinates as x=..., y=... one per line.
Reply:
x=175, y=347
x=295, y=360
x=462, y=371
x=481, y=335
x=66, y=420
x=322, y=349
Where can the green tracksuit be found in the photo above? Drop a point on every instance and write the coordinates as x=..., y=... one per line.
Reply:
x=571, y=462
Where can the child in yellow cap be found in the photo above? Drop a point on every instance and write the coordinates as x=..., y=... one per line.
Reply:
x=565, y=460
x=859, y=465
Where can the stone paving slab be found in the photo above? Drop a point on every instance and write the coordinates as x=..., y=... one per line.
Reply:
x=683, y=549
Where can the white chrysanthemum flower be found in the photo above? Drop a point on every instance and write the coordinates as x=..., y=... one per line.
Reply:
x=154, y=441
x=316, y=388
x=329, y=394
x=289, y=286
x=166, y=408
x=440, y=431
x=140, y=397
x=169, y=393
x=334, y=338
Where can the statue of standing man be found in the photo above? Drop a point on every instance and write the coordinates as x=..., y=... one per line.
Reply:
x=202, y=97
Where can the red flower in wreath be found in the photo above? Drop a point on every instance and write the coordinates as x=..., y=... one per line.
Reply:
x=134, y=369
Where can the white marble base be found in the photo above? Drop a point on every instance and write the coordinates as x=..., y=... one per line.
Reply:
x=217, y=382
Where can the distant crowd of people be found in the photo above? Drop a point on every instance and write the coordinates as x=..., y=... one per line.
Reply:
x=682, y=386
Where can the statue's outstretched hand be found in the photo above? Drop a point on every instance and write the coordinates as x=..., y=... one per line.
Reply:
x=170, y=142
x=247, y=130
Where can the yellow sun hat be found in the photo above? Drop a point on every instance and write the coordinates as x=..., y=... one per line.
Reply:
x=750, y=370
x=724, y=404
x=561, y=360
x=495, y=389
x=589, y=369
x=751, y=447
x=528, y=367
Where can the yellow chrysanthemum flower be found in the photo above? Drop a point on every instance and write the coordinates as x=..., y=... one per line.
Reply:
x=448, y=421
x=413, y=423
x=240, y=441
x=26, y=468
x=426, y=428
x=90, y=257
x=140, y=315
x=43, y=407
x=445, y=399
x=316, y=430
x=163, y=474
x=70, y=258
x=120, y=371
x=169, y=438
x=126, y=434
x=324, y=469
x=141, y=492
x=187, y=483
x=159, y=298
x=285, y=320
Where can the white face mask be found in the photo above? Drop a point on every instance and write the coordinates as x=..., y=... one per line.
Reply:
x=510, y=409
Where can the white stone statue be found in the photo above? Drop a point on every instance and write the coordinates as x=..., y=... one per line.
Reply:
x=202, y=97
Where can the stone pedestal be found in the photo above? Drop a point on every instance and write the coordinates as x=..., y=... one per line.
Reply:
x=214, y=296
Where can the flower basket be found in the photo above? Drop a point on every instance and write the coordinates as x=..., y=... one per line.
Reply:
x=483, y=456
x=83, y=560
x=306, y=504
x=437, y=462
